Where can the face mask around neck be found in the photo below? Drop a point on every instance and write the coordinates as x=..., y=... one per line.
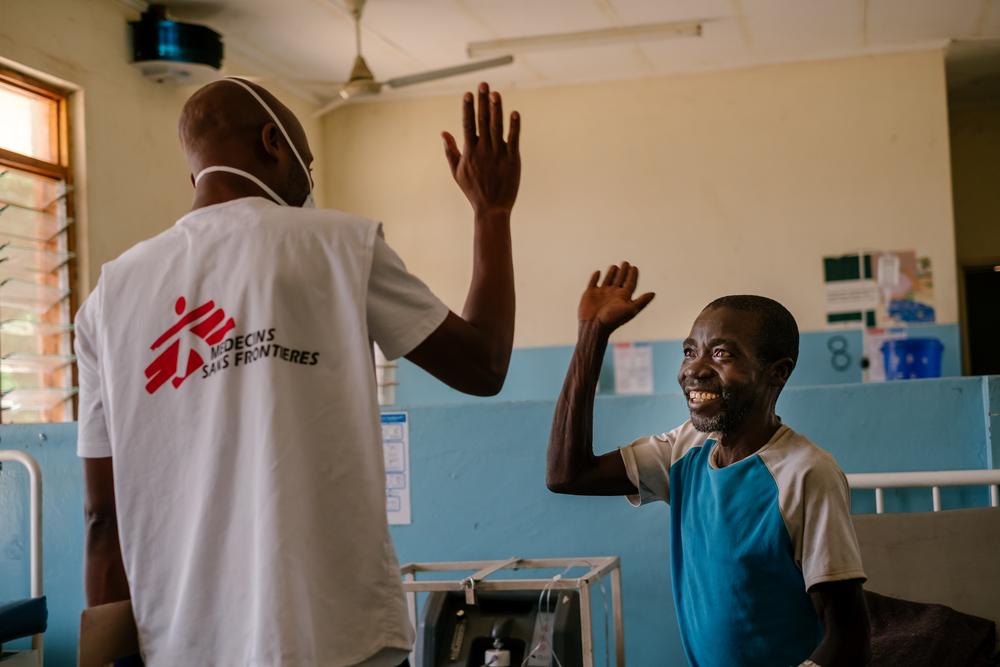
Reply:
x=309, y=201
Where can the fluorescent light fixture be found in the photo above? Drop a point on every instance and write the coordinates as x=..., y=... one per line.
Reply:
x=565, y=40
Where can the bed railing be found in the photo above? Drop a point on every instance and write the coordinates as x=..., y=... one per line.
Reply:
x=35, y=526
x=934, y=480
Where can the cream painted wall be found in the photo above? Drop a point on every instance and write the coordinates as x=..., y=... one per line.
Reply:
x=132, y=181
x=716, y=183
x=975, y=163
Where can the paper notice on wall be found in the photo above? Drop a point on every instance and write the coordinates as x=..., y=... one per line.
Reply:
x=633, y=368
x=396, y=449
x=878, y=289
x=906, y=288
x=851, y=295
x=850, y=292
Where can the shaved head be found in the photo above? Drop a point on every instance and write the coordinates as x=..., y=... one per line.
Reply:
x=222, y=124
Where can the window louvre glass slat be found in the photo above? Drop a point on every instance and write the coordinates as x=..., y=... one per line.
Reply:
x=23, y=259
x=37, y=400
x=18, y=222
x=19, y=362
x=29, y=190
x=21, y=294
x=30, y=329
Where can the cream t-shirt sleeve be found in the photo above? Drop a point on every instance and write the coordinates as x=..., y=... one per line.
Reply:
x=647, y=463
x=402, y=310
x=92, y=429
x=830, y=549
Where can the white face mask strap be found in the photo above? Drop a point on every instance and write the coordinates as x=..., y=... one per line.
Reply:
x=243, y=84
x=245, y=174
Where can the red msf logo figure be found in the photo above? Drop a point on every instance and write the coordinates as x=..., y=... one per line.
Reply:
x=205, y=324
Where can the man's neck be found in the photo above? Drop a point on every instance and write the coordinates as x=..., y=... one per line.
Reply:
x=756, y=431
x=220, y=187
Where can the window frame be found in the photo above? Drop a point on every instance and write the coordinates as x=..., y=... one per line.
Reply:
x=62, y=169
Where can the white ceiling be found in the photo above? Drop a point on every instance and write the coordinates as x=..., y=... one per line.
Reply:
x=313, y=40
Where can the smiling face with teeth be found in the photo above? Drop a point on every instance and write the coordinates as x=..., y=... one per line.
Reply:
x=724, y=378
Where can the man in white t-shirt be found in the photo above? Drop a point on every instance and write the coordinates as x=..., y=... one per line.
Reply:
x=229, y=426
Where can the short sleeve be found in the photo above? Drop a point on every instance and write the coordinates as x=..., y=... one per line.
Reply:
x=647, y=463
x=830, y=549
x=92, y=428
x=402, y=310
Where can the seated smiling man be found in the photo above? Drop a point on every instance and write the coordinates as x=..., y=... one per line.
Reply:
x=764, y=561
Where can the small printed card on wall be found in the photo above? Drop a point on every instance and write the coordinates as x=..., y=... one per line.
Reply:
x=633, y=368
x=396, y=449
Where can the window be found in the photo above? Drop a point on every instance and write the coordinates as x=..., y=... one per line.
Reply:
x=36, y=258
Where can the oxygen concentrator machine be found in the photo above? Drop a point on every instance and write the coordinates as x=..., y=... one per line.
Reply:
x=541, y=621
x=503, y=629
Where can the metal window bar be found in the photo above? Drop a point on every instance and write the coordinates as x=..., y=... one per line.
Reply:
x=35, y=534
x=934, y=480
x=607, y=566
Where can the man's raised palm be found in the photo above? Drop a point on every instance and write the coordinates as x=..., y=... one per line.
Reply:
x=610, y=304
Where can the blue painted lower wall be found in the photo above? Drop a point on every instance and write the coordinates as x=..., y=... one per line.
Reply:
x=54, y=447
x=478, y=488
x=536, y=373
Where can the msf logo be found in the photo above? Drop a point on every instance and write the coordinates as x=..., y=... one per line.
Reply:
x=205, y=322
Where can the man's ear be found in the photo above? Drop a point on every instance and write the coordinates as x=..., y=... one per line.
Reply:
x=269, y=138
x=780, y=371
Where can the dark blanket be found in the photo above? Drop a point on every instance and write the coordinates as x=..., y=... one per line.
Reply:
x=915, y=634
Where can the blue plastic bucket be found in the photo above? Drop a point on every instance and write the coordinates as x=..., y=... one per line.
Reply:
x=912, y=358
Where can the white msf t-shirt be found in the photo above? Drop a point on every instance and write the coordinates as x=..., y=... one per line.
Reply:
x=226, y=365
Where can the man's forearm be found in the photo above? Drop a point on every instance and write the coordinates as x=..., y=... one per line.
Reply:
x=834, y=651
x=489, y=306
x=104, y=572
x=846, y=627
x=571, y=449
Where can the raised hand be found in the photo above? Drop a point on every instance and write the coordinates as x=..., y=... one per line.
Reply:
x=488, y=169
x=610, y=304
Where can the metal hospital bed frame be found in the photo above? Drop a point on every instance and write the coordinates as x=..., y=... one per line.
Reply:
x=942, y=557
x=35, y=537
x=598, y=568
x=610, y=566
x=935, y=480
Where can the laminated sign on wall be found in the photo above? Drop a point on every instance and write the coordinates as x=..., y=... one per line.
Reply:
x=396, y=449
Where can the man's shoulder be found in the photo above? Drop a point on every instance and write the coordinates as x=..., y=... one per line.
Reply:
x=141, y=252
x=294, y=220
x=686, y=438
x=281, y=220
x=794, y=455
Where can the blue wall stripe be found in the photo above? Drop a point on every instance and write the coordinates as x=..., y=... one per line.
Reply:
x=536, y=373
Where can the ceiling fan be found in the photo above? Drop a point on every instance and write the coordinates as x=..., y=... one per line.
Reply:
x=362, y=83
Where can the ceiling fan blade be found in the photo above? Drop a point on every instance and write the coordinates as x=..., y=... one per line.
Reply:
x=435, y=74
x=338, y=102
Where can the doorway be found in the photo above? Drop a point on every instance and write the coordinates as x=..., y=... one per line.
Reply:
x=982, y=308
